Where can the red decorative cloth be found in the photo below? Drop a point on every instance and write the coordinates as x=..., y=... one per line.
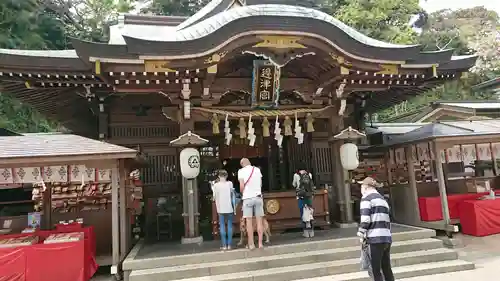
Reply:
x=13, y=264
x=480, y=217
x=70, y=261
x=431, y=210
x=58, y=261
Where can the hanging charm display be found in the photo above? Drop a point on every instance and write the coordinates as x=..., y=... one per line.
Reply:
x=243, y=128
x=215, y=124
x=251, y=132
x=298, y=131
x=265, y=128
x=227, y=131
x=277, y=132
x=309, y=123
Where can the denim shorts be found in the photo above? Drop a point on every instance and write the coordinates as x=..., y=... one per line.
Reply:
x=253, y=207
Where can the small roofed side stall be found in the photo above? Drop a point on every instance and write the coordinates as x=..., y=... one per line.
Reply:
x=433, y=169
x=50, y=161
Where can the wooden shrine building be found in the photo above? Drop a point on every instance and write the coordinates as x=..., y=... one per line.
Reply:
x=241, y=61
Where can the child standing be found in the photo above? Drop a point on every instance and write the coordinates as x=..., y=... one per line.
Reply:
x=224, y=201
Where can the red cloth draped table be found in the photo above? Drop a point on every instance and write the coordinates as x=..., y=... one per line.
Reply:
x=431, y=210
x=69, y=261
x=58, y=262
x=480, y=217
x=13, y=264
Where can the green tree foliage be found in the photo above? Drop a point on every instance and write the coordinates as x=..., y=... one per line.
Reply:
x=87, y=19
x=47, y=24
x=174, y=7
x=468, y=31
x=386, y=20
x=25, y=24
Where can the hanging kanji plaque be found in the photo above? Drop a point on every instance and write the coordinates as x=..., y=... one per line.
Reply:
x=266, y=84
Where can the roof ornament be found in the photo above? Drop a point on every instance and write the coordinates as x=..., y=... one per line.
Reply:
x=279, y=61
x=349, y=133
x=190, y=139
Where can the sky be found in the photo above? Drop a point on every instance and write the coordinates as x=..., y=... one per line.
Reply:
x=435, y=5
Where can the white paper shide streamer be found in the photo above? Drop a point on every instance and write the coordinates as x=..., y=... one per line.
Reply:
x=298, y=131
x=277, y=132
x=227, y=131
x=251, y=132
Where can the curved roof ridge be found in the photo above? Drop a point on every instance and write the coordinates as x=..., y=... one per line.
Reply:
x=462, y=57
x=200, y=14
x=65, y=54
x=210, y=25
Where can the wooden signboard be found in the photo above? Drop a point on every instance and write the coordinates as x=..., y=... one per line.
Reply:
x=266, y=84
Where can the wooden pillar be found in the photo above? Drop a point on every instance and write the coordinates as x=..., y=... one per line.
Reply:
x=47, y=208
x=340, y=178
x=124, y=219
x=282, y=164
x=441, y=184
x=189, y=186
x=413, y=212
x=115, y=212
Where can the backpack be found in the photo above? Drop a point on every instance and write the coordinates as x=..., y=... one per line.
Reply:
x=306, y=186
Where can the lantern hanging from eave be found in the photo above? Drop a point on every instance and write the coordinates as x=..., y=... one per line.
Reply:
x=190, y=163
x=349, y=156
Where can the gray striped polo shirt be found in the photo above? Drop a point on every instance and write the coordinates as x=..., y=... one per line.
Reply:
x=375, y=221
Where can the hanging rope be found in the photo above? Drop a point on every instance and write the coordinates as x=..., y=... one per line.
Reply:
x=261, y=113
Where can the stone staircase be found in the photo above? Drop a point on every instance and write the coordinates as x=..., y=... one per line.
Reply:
x=414, y=253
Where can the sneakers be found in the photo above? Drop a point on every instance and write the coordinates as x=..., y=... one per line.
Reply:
x=308, y=233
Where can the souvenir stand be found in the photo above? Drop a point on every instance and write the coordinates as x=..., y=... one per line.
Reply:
x=432, y=170
x=53, y=163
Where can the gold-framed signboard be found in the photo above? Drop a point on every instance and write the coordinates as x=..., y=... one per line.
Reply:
x=266, y=84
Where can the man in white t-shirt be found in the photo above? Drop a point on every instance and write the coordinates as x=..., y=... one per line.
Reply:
x=250, y=179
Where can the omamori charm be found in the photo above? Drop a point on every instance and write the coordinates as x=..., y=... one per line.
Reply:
x=265, y=128
x=309, y=123
x=215, y=124
x=288, y=126
x=243, y=128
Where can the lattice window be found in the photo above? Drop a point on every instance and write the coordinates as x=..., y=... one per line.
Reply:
x=151, y=132
x=322, y=162
x=162, y=170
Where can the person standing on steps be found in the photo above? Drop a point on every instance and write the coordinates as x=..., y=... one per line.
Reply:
x=224, y=201
x=250, y=179
x=304, y=187
x=375, y=229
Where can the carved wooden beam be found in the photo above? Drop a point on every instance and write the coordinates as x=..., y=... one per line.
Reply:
x=328, y=78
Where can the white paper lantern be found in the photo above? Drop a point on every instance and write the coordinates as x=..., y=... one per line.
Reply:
x=190, y=163
x=349, y=156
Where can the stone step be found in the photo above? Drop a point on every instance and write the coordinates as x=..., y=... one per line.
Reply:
x=281, y=268
x=409, y=271
x=313, y=245
x=292, y=259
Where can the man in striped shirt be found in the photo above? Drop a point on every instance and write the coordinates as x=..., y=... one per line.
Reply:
x=375, y=228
